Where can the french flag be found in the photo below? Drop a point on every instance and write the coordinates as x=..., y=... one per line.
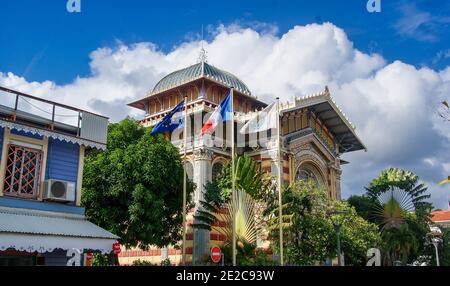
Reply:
x=222, y=113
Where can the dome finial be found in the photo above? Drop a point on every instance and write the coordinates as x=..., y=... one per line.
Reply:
x=202, y=58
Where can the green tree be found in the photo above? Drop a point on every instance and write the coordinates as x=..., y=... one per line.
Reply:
x=398, y=243
x=310, y=237
x=364, y=206
x=134, y=188
x=444, y=251
x=357, y=234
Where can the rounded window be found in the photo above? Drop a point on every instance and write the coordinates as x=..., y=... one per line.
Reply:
x=308, y=172
x=216, y=169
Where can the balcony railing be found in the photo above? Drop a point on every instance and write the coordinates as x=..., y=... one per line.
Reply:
x=35, y=112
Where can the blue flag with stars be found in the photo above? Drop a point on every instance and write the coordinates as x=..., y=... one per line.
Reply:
x=171, y=121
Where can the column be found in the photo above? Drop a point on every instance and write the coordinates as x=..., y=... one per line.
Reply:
x=202, y=175
x=338, y=184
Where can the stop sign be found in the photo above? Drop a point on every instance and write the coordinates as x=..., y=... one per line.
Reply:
x=89, y=255
x=116, y=248
x=216, y=254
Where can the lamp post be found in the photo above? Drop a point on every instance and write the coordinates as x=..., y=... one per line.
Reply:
x=436, y=241
x=337, y=226
x=435, y=237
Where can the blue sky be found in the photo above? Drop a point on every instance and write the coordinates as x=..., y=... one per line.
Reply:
x=40, y=40
x=388, y=71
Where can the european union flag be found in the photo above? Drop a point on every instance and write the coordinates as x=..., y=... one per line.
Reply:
x=171, y=121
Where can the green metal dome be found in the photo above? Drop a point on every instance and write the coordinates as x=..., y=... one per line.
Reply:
x=197, y=71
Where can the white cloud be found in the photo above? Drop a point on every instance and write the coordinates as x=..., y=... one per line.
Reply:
x=420, y=25
x=392, y=104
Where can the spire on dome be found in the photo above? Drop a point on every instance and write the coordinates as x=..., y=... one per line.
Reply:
x=202, y=58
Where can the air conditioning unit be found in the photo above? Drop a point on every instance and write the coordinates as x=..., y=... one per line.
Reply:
x=60, y=191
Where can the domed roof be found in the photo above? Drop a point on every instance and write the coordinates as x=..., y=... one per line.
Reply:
x=196, y=71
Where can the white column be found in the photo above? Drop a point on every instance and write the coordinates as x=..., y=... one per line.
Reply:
x=202, y=175
x=202, y=171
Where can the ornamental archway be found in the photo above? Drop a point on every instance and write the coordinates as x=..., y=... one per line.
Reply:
x=309, y=171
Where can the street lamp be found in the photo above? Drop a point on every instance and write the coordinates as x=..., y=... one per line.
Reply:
x=435, y=237
x=337, y=227
x=436, y=241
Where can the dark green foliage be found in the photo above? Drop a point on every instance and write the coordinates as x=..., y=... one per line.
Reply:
x=310, y=236
x=246, y=255
x=100, y=259
x=364, y=206
x=143, y=263
x=444, y=249
x=134, y=188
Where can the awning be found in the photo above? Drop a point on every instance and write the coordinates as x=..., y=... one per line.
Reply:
x=42, y=231
x=51, y=134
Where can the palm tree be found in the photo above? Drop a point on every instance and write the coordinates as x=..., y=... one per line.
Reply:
x=404, y=186
x=399, y=243
x=250, y=184
x=398, y=194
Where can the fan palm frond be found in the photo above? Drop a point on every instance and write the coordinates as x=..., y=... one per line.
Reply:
x=392, y=207
x=244, y=208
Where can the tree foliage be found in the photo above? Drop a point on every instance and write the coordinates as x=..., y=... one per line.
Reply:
x=134, y=188
x=251, y=185
x=310, y=236
x=444, y=257
x=364, y=206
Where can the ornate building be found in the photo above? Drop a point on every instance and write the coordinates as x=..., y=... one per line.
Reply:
x=314, y=133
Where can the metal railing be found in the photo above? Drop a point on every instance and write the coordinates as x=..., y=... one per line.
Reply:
x=41, y=113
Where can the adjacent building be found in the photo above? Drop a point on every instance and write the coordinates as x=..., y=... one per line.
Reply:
x=314, y=135
x=441, y=218
x=42, y=149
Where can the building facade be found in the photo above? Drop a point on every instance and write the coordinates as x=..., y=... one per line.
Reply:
x=42, y=148
x=314, y=133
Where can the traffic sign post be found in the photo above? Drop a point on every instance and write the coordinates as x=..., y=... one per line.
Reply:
x=116, y=248
x=88, y=259
x=216, y=254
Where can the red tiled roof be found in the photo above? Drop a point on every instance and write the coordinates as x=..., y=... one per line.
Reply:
x=440, y=216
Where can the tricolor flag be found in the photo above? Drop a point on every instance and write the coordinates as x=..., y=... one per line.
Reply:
x=264, y=120
x=222, y=113
x=170, y=122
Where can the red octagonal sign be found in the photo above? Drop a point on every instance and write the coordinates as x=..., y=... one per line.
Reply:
x=116, y=248
x=216, y=254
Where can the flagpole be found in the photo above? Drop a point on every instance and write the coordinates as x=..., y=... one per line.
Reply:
x=233, y=191
x=184, y=181
x=280, y=167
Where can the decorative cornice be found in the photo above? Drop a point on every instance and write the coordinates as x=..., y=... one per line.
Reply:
x=203, y=154
x=313, y=98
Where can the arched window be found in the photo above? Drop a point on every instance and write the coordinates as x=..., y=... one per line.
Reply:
x=308, y=172
x=216, y=169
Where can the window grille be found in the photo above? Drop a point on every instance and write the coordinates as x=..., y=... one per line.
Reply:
x=22, y=172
